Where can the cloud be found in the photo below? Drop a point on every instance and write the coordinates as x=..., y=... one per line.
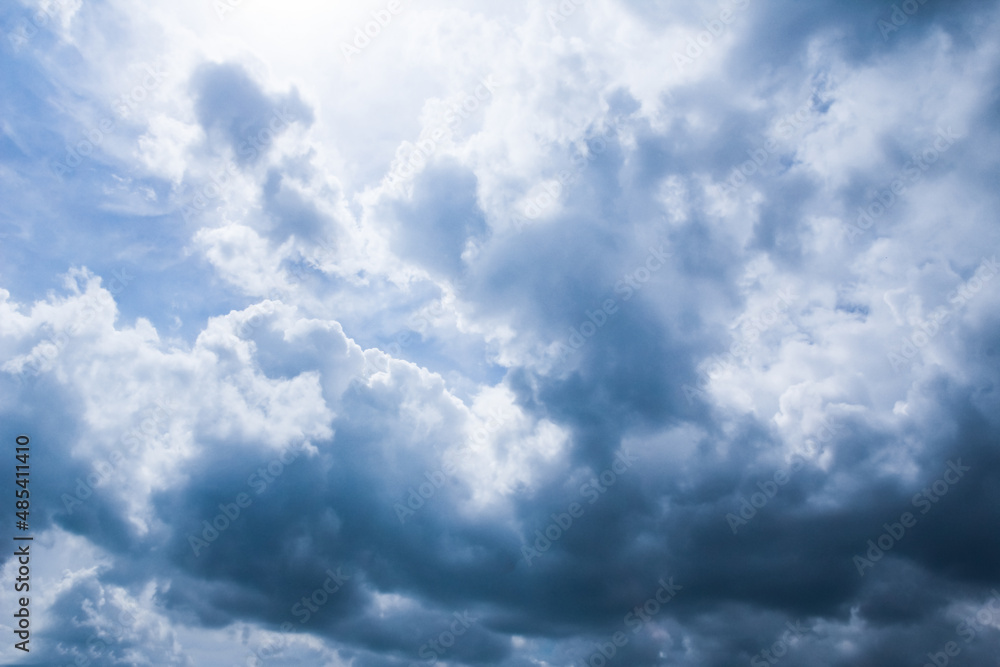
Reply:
x=232, y=109
x=460, y=348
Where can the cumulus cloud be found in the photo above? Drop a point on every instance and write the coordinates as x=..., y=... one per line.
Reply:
x=590, y=332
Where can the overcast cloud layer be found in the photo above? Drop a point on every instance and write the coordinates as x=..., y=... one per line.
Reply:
x=523, y=333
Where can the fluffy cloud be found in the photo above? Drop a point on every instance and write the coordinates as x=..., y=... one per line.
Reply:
x=544, y=334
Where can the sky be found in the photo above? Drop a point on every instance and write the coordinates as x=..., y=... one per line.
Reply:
x=534, y=333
